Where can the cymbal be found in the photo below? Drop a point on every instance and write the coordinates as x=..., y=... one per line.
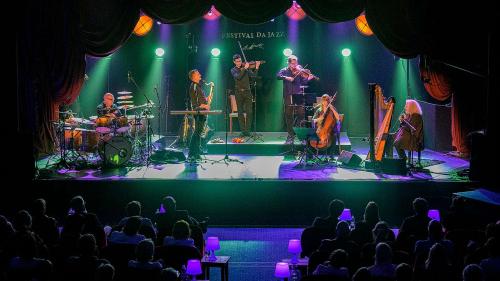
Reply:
x=126, y=106
x=304, y=86
x=125, y=102
x=124, y=93
x=65, y=112
x=125, y=97
x=145, y=105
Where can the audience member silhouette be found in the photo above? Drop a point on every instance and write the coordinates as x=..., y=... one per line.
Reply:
x=134, y=208
x=43, y=225
x=84, y=266
x=130, y=233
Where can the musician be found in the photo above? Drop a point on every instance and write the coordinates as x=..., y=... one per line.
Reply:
x=292, y=80
x=108, y=108
x=410, y=135
x=318, y=116
x=198, y=101
x=241, y=74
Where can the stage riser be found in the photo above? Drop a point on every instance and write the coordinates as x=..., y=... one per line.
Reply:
x=258, y=149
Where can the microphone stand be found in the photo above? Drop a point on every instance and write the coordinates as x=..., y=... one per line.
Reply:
x=148, y=128
x=255, y=136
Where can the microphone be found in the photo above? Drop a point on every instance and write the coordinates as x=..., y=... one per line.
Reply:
x=128, y=76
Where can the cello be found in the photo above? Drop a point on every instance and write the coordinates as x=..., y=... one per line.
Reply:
x=325, y=127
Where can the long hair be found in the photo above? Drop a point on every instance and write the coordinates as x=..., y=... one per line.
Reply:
x=412, y=107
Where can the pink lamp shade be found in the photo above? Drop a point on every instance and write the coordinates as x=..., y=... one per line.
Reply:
x=282, y=270
x=395, y=231
x=346, y=215
x=294, y=246
x=193, y=267
x=433, y=214
x=212, y=243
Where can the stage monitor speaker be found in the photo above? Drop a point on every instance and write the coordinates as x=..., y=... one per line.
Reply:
x=168, y=155
x=349, y=159
x=394, y=166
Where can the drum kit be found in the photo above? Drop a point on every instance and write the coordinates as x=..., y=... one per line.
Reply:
x=115, y=139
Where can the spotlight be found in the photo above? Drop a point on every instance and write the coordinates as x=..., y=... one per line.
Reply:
x=215, y=52
x=159, y=52
x=287, y=52
x=346, y=52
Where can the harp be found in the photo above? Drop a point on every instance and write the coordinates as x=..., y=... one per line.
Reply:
x=378, y=137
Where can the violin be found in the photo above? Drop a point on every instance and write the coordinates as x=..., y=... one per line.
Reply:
x=304, y=72
x=252, y=64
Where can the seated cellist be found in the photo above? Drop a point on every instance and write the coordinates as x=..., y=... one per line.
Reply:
x=319, y=115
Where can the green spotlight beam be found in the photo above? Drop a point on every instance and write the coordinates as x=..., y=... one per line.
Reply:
x=94, y=88
x=353, y=100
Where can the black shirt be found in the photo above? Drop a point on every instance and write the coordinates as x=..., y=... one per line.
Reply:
x=242, y=77
x=197, y=96
x=290, y=88
x=103, y=110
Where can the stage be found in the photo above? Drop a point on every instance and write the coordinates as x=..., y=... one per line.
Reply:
x=266, y=158
x=238, y=192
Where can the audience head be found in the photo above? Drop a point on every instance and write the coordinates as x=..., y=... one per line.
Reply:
x=6, y=229
x=472, y=272
x=87, y=245
x=382, y=233
x=38, y=207
x=435, y=230
x=22, y=221
x=342, y=230
x=493, y=247
x=437, y=257
x=457, y=203
x=77, y=204
x=404, y=272
x=169, y=274
x=181, y=230
x=132, y=226
x=169, y=204
x=145, y=250
x=371, y=212
x=362, y=274
x=105, y=272
x=383, y=253
x=338, y=258
x=133, y=208
x=420, y=206
x=335, y=208
x=493, y=230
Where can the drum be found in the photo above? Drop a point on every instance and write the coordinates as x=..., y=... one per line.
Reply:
x=138, y=125
x=72, y=138
x=122, y=125
x=115, y=151
x=103, y=125
x=81, y=139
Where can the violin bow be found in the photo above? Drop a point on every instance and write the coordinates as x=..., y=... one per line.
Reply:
x=243, y=53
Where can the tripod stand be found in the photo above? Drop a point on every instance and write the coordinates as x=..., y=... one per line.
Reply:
x=226, y=160
x=255, y=136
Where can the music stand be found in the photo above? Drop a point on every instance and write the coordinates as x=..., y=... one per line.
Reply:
x=226, y=160
x=304, y=134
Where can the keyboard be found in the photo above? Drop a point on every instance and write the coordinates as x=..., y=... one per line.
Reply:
x=195, y=112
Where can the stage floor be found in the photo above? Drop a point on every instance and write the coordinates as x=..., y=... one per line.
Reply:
x=437, y=166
